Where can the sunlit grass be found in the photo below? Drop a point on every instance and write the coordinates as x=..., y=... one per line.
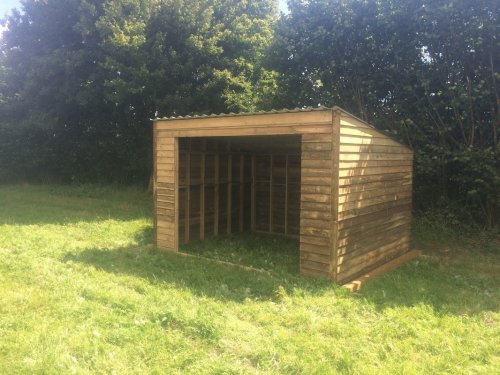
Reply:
x=81, y=292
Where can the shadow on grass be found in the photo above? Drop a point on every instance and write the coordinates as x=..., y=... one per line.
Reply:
x=456, y=289
x=277, y=254
x=203, y=277
x=145, y=236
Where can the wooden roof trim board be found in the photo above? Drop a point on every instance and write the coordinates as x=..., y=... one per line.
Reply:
x=280, y=111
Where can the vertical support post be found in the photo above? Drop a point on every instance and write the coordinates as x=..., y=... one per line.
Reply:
x=286, y=194
x=253, y=200
x=202, y=190
x=155, y=193
x=335, y=194
x=216, y=191
x=176, y=192
x=188, y=193
x=242, y=190
x=229, y=189
x=271, y=193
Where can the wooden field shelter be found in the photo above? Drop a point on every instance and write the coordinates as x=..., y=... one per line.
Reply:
x=331, y=180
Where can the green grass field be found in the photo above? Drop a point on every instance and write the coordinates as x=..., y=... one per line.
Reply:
x=80, y=292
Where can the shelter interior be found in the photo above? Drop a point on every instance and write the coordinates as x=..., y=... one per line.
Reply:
x=232, y=184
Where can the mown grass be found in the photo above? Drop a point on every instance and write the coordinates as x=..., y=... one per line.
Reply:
x=80, y=292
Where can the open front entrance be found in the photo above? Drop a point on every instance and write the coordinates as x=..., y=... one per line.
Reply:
x=266, y=172
x=232, y=184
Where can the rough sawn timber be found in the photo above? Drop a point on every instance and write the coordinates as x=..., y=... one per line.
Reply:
x=322, y=175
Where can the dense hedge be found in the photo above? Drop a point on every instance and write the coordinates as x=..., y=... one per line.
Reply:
x=80, y=79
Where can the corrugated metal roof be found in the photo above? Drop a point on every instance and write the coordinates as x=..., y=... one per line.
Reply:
x=294, y=110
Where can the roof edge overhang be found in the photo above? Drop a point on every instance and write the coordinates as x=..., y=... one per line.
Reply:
x=280, y=111
x=255, y=113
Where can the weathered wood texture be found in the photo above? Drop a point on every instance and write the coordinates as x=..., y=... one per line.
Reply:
x=316, y=203
x=322, y=175
x=165, y=193
x=277, y=192
x=374, y=199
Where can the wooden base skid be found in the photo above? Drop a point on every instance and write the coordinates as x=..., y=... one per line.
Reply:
x=359, y=282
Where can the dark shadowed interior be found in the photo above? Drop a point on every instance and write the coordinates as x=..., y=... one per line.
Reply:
x=232, y=184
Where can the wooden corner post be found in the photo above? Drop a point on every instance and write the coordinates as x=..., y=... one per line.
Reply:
x=335, y=194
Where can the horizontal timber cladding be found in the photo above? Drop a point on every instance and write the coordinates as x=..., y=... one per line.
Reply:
x=374, y=199
x=316, y=219
x=165, y=195
x=339, y=185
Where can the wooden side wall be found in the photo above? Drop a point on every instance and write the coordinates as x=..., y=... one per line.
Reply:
x=165, y=192
x=374, y=201
x=316, y=209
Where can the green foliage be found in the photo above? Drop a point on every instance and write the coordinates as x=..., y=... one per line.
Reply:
x=81, y=293
x=80, y=80
x=426, y=71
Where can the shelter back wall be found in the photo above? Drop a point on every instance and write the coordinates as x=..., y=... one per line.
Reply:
x=231, y=184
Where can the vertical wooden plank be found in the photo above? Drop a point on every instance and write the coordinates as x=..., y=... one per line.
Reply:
x=229, y=189
x=176, y=192
x=242, y=190
x=188, y=193
x=253, y=203
x=216, y=191
x=155, y=203
x=202, y=190
x=271, y=193
x=286, y=194
x=335, y=194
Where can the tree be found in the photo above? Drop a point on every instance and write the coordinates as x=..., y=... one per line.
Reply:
x=424, y=70
x=81, y=79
